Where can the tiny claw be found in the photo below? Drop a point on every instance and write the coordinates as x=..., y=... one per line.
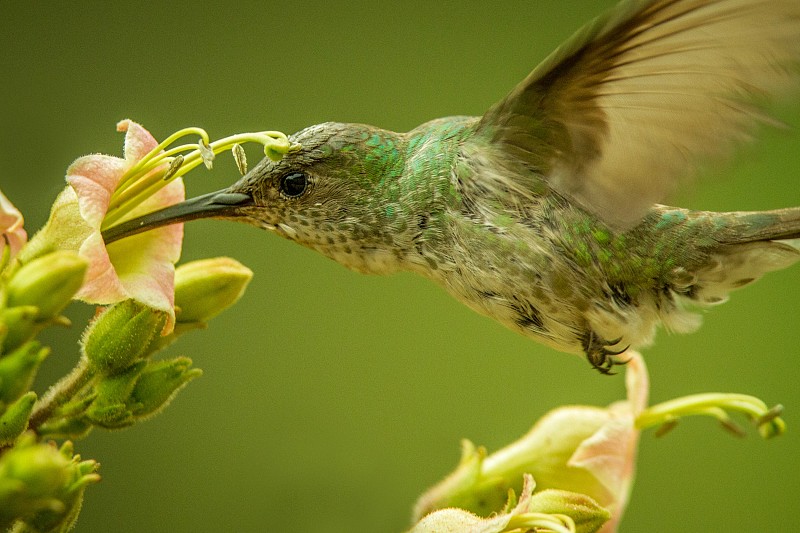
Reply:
x=622, y=351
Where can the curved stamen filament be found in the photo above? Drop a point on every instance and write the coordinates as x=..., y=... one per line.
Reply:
x=155, y=152
x=715, y=405
x=158, y=168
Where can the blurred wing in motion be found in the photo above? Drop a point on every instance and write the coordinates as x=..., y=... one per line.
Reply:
x=636, y=99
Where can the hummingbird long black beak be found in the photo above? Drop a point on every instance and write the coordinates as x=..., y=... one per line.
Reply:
x=212, y=205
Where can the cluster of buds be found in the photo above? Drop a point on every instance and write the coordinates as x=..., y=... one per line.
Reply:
x=41, y=486
x=145, y=304
x=118, y=383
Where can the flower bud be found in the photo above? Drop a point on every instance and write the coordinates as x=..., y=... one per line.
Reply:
x=15, y=418
x=65, y=428
x=41, y=486
x=549, y=510
x=18, y=369
x=586, y=513
x=20, y=325
x=158, y=383
x=205, y=288
x=110, y=407
x=31, y=475
x=80, y=475
x=121, y=335
x=48, y=282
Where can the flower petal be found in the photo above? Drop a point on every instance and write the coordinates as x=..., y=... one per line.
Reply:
x=11, y=225
x=610, y=453
x=94, y=179
x=138, y=141
x=637, y=382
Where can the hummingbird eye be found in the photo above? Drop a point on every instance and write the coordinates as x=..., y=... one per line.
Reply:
x=293, y=184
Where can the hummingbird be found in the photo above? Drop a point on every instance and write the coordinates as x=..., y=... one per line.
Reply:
x=544, y=213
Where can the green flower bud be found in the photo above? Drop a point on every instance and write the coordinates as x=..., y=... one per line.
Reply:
x=82, y=474
x=48, y=282
x=30, y=477
x=159, y=383
x=18, y=369
x=550, y=510
x=121, y=335
x=587, y=514
x=110, y=408
x=15, y=418
x=205, y=288
x=21, y=325
x=41, y=487
x=65, y=428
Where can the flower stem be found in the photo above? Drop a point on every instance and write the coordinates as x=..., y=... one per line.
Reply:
x=60, y=392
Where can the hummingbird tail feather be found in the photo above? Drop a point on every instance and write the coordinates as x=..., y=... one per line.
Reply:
x=770, y=241
x=777, y=225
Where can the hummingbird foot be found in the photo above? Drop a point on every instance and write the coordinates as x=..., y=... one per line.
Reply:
x=599, y=355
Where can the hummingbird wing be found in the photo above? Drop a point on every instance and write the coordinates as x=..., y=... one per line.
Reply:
x=629, y=106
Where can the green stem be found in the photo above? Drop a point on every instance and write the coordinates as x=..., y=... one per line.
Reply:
x=60, y=393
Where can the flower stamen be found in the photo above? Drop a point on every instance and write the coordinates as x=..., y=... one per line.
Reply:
x=240, y=157
x=715, y=405
x=161, y=165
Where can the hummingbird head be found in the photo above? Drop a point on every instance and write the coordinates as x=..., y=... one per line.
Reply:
x=329, y=194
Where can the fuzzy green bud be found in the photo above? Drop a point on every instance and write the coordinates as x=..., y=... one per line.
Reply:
x=42, y=486
x=549, y=510
x=140, y=392
x=20, y=324
x=14, y=419
x=205, y=288
x=18, y=369
x=65, y=428
x=80, y=475
x=159, y=382
x=121, y=335
x=587, y=514
x=30, y=477
x=48, y=282
x=111, y=407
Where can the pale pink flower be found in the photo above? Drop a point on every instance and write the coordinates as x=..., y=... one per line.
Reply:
x=581, y=449
x=140, y=267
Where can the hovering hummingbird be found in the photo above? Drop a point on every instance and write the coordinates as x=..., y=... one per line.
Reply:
x=543, y=213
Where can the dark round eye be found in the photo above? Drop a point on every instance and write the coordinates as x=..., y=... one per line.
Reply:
x=293, y=184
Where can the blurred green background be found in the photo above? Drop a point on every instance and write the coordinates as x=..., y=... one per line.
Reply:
x=331, y=400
